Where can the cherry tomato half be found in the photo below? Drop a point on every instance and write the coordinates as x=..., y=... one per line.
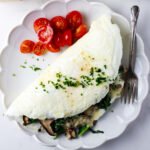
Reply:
x=52, y=47
x=39, y=23
x=27, y=46
x=59, y=23
x=59, y=39
x=74, y=19
x=39, y=49
x=80, y=31
x=68, y=37
x=45, y=34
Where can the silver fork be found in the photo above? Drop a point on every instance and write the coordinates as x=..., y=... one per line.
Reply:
x=130, y=90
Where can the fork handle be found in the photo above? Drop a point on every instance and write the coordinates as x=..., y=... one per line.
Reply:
x=134, y=17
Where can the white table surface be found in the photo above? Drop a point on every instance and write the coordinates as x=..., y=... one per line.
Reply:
x=136, y=136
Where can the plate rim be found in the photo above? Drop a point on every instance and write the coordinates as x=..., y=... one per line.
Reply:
x=146, y=75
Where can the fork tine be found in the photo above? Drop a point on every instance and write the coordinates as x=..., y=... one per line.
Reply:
x=126, y=93
x=122, y=93
x=136, y=89
x=130, y=92
x=134, y=93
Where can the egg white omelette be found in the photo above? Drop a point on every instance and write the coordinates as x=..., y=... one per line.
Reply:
x=77, y=79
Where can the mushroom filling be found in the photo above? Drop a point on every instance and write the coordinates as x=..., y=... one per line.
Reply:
x=78, y=125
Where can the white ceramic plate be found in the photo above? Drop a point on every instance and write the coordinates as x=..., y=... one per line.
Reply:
x=113, y=124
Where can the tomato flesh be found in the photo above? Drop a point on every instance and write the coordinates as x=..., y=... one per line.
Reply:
x=59, y=23
x=74, y=19
x=27, y=46
x=59, y=39
x=45, y=34
x=68, y=37
x=40, y=22
x=80, y=31
x=52, y=48
x=39, y=49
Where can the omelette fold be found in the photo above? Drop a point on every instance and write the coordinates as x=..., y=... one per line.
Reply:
x=77, y=79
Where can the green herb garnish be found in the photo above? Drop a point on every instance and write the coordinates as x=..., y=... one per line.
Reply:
x=58, y=75
x=31, y=67
x=105, y=66
x=95, y=131
x=36, y=69
x=22, y=66
x=105, y=102
x=13, y=74
x=103, y=73
x=58, y=127
x=83, y=129
x=99, y=80
x=121, y=69
x=33, y=120
x=42, y=84
x=92, y=71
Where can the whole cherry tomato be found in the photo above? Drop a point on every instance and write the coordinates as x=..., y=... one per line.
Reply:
x=80, y=31
x=45, y=34
x=52, y=47
x=27, y=46
x=59, y=23
x=59, y=39
x=74, y=19
x=40, y=22
x=39, y=49
x=68, y=37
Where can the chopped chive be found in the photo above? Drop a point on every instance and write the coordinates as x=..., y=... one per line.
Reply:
x=22, y=66
x=42, y=84
x=31, y=67
x=13, y=74
x=36, y=69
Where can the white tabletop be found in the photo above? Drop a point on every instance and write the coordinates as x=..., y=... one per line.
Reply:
x=136, y=136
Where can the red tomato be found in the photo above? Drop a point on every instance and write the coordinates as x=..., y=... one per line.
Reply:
x=68, y=37
x=74, y=19
x=39, y=23
x=45, y=34
x=52, y=47
x=27, y=46
x=80, y=31
x=59, y=23
x=39, y=49
x=59, y=39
